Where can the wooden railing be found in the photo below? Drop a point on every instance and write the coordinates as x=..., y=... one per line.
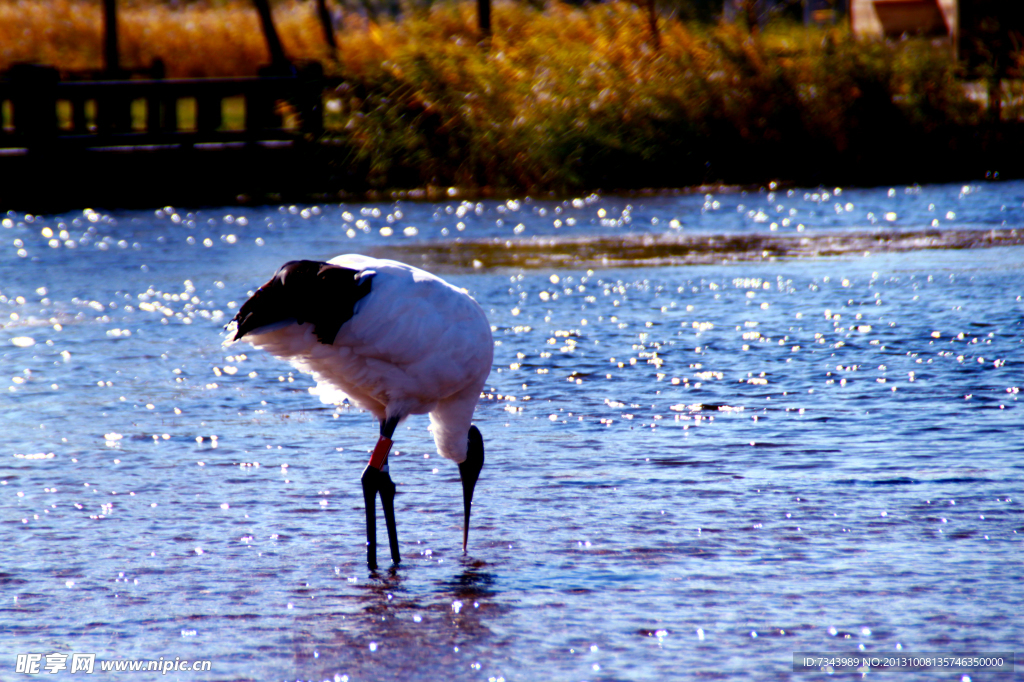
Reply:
x=38, y=111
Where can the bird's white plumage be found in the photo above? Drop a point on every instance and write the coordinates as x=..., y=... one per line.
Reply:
x=414, y=345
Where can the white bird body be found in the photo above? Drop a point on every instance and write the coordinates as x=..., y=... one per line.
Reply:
x=393, y=339
x=414, y=345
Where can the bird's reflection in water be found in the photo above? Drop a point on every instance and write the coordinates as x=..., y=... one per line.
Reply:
x=402, y=631
x=473, y=582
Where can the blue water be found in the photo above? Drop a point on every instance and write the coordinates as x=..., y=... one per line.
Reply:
x=691, y=471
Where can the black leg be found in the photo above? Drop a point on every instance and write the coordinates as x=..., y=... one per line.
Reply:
x=369, y=481
x=387, y=502
x=375, y=481
x=387, y=493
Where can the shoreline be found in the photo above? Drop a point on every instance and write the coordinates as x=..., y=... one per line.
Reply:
x=305, y=172
x=684, y=248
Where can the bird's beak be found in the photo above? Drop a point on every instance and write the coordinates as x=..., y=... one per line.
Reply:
x=469, y=471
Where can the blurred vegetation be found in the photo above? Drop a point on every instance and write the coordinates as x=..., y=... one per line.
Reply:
x=562, y=97
x=573, y=98
x=193, y=39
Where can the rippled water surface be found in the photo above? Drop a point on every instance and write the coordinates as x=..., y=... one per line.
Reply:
x=692, y=470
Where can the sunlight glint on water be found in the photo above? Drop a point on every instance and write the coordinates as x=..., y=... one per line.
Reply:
x=690, y=470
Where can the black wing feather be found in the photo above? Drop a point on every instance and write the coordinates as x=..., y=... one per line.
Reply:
x=305, y=291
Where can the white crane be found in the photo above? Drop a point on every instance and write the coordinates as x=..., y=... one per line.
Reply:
x=394, y=340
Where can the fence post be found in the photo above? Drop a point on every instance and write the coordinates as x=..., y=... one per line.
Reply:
x=154, y=103
x=255, y=111
x=113, y=109
x=35, y=104
x=209, y=110
x=79, y=123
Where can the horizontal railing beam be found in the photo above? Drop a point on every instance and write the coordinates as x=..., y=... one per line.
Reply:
x=112, y=101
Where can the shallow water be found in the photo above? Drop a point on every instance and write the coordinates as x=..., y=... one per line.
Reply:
x=691, y=471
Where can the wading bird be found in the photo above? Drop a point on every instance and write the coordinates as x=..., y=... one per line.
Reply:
x=392, y=339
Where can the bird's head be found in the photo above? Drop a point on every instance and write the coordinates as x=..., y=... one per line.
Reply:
x=469, y=471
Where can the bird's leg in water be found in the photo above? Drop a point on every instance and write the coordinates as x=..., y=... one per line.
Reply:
x=387, y=495
x=376, y=479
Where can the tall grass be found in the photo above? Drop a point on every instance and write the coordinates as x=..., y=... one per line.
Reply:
x=575, y=98
x=560, y=99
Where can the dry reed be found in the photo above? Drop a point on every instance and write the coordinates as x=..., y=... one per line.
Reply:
x=193, y=40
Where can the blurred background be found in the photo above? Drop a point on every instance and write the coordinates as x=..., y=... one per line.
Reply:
x=521, y=97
